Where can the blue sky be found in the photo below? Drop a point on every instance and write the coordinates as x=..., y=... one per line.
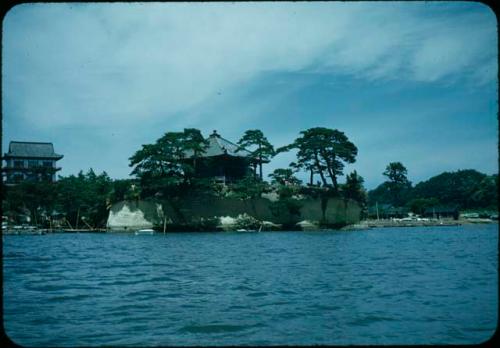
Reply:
x=412, y=82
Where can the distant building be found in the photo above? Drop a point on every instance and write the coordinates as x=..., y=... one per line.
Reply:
x=387, y=211
x=222, y=160
x=32, y=161
x=442, y=211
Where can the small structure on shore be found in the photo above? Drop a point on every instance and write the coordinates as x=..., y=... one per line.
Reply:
x=438, y=212
x=387, y=211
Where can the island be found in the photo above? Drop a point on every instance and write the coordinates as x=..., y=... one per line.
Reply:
x=187, y=182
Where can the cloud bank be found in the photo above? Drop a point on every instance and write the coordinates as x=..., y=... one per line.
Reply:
x=126, y=61
x=82, y=66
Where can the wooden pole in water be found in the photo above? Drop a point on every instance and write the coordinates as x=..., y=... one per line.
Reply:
x=34, y=215
x=77, y=217
x=67, y=221
x=90, y=227
x=164, y=224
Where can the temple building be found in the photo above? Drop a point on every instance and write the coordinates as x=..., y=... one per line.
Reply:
x=32, y=161
x=222, y=160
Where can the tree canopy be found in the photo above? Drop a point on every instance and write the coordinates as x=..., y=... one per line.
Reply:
x=284, y=176
x=398, y=185
x=83, y=199
x=396, y=172
x=162, y=165
x=353, y=188
x=466, y=189
x=323, y=151
x=254, y=138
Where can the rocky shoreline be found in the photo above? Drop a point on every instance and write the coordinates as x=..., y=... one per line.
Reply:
x=246, y=223
x=365, y=224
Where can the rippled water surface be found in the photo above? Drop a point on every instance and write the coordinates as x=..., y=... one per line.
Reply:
x=379, y=286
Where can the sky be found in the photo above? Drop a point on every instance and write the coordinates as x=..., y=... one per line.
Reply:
x=413, y=82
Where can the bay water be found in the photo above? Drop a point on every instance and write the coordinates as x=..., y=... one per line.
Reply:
x=420, y=285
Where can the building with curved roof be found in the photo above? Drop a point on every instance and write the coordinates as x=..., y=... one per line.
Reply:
x=222, y=160
x=28, y=160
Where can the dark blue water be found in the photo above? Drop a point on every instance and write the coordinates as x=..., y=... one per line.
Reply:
x=380, y=286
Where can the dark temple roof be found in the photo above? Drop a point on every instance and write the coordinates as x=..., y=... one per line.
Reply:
x=218, y=146
x=29, y=149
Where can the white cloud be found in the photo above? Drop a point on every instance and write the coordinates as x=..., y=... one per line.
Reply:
x=109, y=62
x=122, y=66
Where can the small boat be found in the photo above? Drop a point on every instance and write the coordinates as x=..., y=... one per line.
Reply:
x=245, y=230
x=145, y=231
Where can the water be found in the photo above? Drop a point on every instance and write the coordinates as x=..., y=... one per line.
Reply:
x=380, y=286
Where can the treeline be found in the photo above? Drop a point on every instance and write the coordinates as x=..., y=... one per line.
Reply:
x=167, y=169
x=464, y=189
x=81, y=201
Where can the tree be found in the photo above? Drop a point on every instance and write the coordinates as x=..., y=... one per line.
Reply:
x=398, y=184
x=194, y=141
x=324, y=151
x=264, y=151
x=353, y=188
x=164, y=165
x=485, y=193
x=85, y=196
x=282, y=176
x=467, y=189
x=248, y=188
x=380, y=194
x=396, y=172
x=306, y=165
x=122, y=190
x=35, y=197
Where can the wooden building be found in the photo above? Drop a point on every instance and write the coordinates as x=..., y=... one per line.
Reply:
x=32, y=161
x=442, y=211
x=222, y=160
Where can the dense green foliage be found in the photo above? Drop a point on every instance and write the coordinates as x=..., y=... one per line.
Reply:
x=162, y=167
x=323, y=151
x=264, y=151
x=397, y=187
x=468, y=189
x=396, y=172
x=166, y=169
x=464, y=189
x=353, y=188
x=247, y=188
x=284, y=176
x=83, y=200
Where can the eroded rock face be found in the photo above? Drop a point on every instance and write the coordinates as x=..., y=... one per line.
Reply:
x=307, y=225
x=229, y=214
x=125, y=216
x=242, y=221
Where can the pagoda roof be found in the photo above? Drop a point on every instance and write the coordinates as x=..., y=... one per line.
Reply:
x=28, y=149
x=218, y=146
